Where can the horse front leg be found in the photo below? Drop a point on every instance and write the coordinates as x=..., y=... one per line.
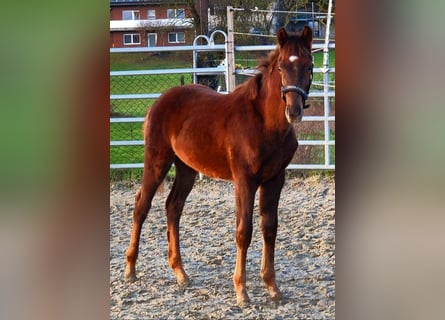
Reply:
x=269, y=198
x=244, y=194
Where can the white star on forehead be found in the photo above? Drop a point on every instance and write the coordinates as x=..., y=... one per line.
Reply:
x=293, y=58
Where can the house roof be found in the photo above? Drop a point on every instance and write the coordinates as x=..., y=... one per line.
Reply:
x=140, y=2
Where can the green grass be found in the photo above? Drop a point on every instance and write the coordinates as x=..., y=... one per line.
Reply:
x=144, y=61
x=318, y=63
x=147, y=83
x=130, y=108
x=134, y=175
x=127, y=154
x=126, y=131
x=318, y=58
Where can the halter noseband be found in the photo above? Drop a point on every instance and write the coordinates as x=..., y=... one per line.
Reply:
x=296, y=89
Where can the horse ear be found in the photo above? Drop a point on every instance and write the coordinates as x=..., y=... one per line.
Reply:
x=306, y=35
x=282, y=37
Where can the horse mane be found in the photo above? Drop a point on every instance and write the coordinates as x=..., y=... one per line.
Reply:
x=252, y=87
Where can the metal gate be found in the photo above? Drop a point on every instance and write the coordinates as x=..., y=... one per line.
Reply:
x=227, y=69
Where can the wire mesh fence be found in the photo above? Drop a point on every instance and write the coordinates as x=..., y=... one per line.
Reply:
x=135, y=108
x=133, y=94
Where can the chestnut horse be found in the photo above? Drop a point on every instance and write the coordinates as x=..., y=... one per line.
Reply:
x=246, y=136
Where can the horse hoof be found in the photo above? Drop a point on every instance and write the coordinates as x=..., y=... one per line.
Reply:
x=243, y=303
x=130, y=278
x=130, y=273
x=183, y=282
x=243, y=300
x=276, y=295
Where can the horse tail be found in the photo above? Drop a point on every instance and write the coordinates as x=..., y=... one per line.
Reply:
x=145, y=125
x=161, y=187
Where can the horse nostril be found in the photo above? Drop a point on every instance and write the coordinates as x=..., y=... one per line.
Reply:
x=299, y=110
x=294, y=111
x=294, y=114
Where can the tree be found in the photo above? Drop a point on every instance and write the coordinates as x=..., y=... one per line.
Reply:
x=246, y=21
x=198, y=11
x=262, y=21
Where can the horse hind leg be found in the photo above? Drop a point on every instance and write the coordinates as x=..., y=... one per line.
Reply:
x=183, y=184
x=154, y=173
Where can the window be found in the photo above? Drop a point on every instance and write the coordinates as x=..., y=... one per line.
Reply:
x=151, y=14
x=132, y=38
x=175, y=13
x=176, y=37
x=130, y=15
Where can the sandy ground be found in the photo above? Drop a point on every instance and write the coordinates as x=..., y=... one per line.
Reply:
x=304, y=257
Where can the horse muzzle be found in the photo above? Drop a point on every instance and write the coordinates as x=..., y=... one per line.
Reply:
x=294, y=112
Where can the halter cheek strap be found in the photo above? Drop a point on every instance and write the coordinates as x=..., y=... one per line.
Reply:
x=301, y=92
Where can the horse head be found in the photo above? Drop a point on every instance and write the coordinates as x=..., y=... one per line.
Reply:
x=295, y=67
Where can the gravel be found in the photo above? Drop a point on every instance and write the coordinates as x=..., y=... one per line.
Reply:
x=304, y=256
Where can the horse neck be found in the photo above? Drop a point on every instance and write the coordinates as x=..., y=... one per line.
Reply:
x=272, y=104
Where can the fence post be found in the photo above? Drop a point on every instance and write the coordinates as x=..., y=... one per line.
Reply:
x=327, y=102
x=230, y=51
